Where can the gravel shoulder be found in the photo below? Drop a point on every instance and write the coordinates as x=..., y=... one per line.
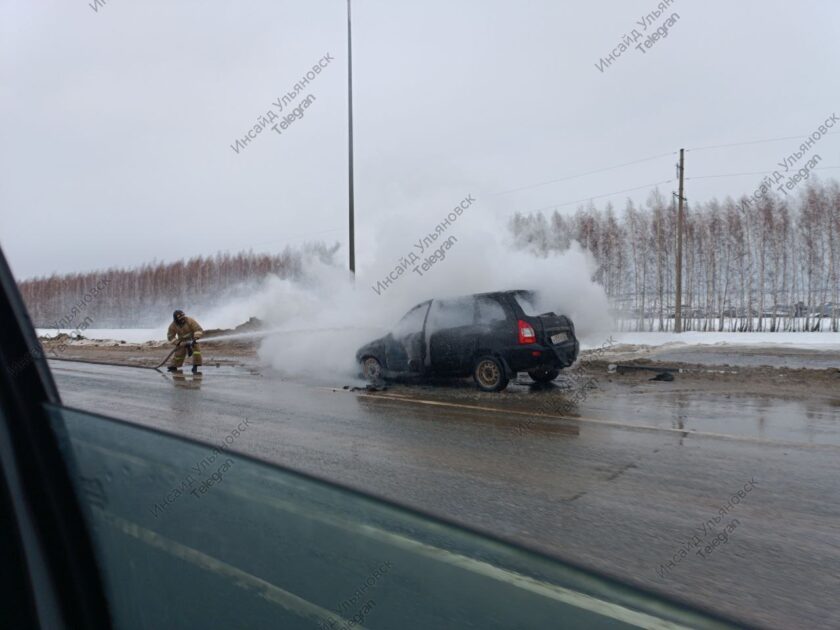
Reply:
x=148, y=354
x=701, y=369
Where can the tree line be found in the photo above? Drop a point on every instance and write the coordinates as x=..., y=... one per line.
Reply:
x=145, y=295
x=765, y=265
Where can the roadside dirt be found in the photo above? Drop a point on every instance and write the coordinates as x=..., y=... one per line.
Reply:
x=149, y=354
x=725, y=354
x=570, y=389
x=593, y=380
x=576, y=389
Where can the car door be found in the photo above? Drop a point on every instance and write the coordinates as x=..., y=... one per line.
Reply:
x=406, y=348
x=452, y=334
x=495, y=326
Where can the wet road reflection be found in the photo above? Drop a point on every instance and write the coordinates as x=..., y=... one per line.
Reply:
x=615, y=481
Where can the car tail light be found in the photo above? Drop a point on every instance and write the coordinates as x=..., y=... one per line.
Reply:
x=526, y=333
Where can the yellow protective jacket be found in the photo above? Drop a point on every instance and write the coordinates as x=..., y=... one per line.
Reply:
x=189, y=330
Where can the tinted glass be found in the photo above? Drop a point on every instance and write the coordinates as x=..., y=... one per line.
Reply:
x=489, y=311
x=528, y=303
x=412, y=322
x=192, y=536
x=451, y=313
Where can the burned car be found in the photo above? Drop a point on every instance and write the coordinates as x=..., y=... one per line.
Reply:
x=490, y=336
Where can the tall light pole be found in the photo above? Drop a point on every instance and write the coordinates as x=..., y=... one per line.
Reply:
x=352, y=240
x=679, y=257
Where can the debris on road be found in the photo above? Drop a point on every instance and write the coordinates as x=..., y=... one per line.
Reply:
x=378, y=386
x=624, y=368
x=663, y=376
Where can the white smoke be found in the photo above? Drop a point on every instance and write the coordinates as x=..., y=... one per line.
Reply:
x=343, y=315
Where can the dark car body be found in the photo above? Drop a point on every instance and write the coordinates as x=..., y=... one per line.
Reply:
x=446, y=337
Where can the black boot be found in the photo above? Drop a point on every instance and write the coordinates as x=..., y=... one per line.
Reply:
x=195, y=369
x=172, y=368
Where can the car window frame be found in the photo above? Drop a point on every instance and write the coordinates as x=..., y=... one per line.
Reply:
x=422, y=330
x=498, y=302
x=64, y=585
x=472, y=322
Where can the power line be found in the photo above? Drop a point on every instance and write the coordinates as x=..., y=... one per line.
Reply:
x=617, y=192
x=727, y=175
x=649, y=159
x=600, y=170
x=821, y=168
x=740, y=144
x=667, y=181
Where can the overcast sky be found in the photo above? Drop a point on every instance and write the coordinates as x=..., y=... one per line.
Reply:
x=116, y=125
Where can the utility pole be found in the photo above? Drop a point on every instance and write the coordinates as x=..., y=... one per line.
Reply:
x=680, y=221
x=352, y=238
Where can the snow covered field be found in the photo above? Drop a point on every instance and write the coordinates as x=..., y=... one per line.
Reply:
x=810, y=340
x=816, y=341
x=818, y=351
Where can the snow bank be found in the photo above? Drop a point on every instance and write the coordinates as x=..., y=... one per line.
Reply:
x=808, y=340
x=817, y=341
x=129, y=335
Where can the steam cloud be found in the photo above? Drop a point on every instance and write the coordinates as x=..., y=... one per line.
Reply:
x=342, y=315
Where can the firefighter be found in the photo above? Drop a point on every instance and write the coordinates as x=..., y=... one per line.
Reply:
x=184, y=332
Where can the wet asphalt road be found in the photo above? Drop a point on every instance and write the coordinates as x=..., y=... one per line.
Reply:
x=622, y=488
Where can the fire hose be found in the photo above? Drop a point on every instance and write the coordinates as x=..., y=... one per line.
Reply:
x=210, y=339
x=189, y=344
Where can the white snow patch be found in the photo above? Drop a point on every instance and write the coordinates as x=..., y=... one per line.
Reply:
x=807, y=340
x=129, y=335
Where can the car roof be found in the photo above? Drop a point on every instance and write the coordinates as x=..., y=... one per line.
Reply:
x=476, y=295
x=490, y=293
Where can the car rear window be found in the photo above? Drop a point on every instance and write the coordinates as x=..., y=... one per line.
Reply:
x=489, y=311
x=529, y=303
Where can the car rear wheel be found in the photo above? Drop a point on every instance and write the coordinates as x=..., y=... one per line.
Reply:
x=489, y=374
x=371, y=369
x=544, y=374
